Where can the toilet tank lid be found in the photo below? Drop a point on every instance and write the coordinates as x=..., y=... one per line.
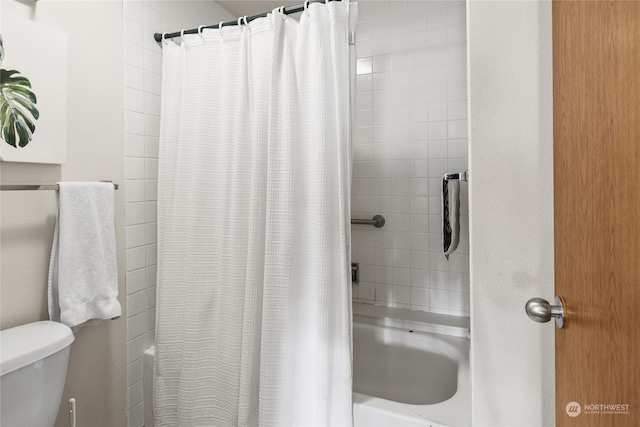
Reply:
x=26, y=344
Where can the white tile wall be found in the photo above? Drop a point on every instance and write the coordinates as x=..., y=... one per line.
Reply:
x=143, y=63
x=411, y=128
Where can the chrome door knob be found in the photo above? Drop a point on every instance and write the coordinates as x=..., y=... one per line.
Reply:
x=539, y=310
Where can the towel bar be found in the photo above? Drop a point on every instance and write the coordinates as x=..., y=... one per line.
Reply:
x=24, y=187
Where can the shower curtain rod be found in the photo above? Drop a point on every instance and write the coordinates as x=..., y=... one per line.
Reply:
x=287, y=11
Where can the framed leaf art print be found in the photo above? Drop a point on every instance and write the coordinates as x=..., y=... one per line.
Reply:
x=33, y=92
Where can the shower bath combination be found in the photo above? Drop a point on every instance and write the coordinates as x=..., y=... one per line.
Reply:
x=274, y=266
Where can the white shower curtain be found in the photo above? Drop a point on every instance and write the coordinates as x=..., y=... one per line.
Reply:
x=254, y=287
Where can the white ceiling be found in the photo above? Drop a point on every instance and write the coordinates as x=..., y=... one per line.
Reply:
x=254, y=7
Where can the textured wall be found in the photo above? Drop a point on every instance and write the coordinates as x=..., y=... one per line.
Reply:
x=511, y=219
x=97, y=367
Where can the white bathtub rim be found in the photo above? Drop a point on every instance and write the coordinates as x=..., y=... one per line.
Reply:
x=442, y=324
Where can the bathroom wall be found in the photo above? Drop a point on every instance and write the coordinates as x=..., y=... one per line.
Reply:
x=142, y=77
x=410, y=129
x=96, y=376
x=511, y=189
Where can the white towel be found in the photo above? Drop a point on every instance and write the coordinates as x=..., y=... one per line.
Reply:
x=83, y=272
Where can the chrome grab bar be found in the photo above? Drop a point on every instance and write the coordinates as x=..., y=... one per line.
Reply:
x=377, y=221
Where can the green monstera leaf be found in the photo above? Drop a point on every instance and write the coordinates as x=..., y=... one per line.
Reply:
x=17, y=108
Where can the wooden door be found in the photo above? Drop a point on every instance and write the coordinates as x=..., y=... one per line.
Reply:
x=596, y=84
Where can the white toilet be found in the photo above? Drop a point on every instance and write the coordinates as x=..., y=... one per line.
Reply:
x=33, y=369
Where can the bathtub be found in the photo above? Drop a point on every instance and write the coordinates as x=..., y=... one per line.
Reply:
x=411, y=369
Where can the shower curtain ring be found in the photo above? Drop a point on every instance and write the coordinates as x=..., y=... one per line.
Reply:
x=164, y=37
x=200, y=30
x=244, y=20
x=281, y=9
x=182, y=35
x=239, y=22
